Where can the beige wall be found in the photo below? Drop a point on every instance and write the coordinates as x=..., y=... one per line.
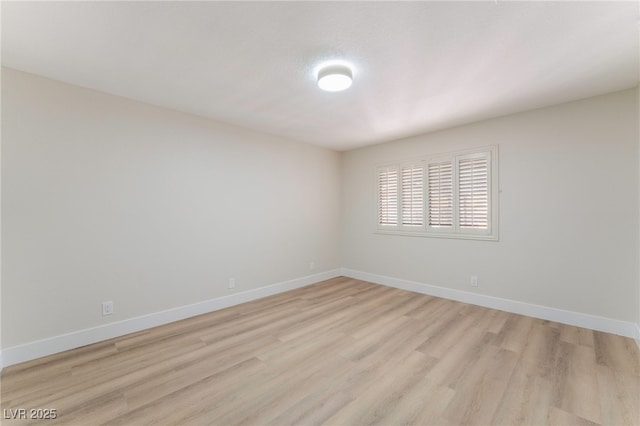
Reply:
x=110, y=199
x=568, y=210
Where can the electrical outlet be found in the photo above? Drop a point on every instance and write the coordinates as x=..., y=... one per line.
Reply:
x=232, y=283
x=312, y=265
x=107, y=308
x=474, y=281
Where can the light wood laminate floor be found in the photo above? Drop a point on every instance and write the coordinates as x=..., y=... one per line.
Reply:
x=341, y=352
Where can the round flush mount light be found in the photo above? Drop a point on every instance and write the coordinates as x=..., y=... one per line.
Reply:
x=334, y=78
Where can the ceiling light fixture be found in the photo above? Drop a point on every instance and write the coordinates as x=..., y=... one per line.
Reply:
x=334, y=78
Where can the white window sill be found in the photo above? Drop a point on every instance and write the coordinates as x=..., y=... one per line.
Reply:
x=480, y=237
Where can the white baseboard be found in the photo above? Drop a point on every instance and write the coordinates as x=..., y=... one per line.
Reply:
x=76, y=339
x=608, y=325
x=17, y=354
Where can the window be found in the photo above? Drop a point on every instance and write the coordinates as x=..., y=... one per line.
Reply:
x=440, y=194
x=473, y=192
x=411, y=195
x=388, y=196
x=452, y=195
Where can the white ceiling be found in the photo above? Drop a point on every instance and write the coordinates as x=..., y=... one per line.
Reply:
x=419, y=66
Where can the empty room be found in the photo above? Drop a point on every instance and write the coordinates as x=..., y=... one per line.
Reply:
x=306, y=213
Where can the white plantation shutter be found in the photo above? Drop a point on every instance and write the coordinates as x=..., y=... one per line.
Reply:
x=388, y=196
x=412, y=195
x=451, y=195
x=473, y=192
x=440, y=194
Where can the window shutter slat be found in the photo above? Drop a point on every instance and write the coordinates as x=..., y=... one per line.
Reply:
x=388, y=196
x=473, y=192
x=440, y=194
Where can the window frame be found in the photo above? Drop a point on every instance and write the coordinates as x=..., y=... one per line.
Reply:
x=455, y=231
